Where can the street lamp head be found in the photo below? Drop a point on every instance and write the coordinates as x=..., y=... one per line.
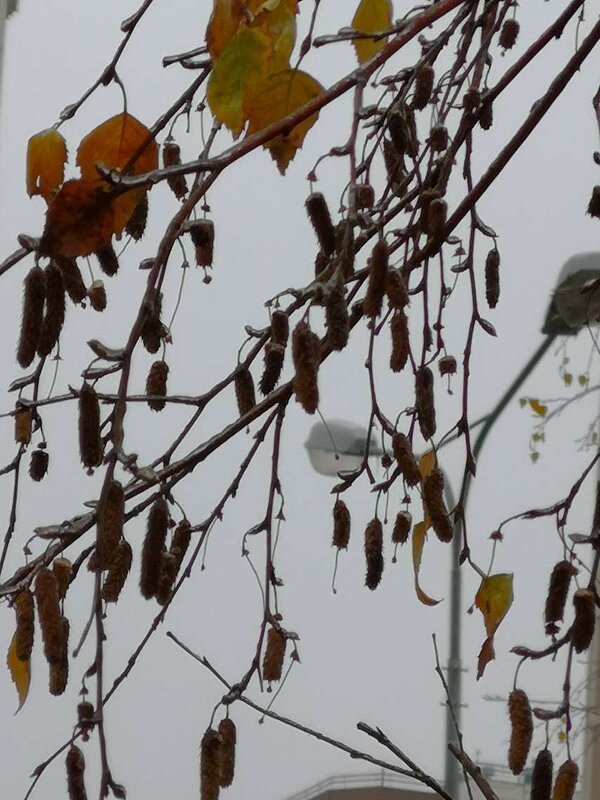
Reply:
x=339, y=446
x=575, y=301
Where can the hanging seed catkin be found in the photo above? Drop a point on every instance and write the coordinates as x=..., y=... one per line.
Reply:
x=437, y=212
x=492, y=278
x=378, y=270
x=486, y=114
x=61, y=567
x=566, y=781
x=117, y=573
x=400, y=341
x=396, y=290
x=34, y=295
x=48, y=608
x=210, y=765
x=424, y=402
x=273, y=365
x=424, y=78
x=152, y=330
x=181, y=541
x=156, y=385
x=244, y=391
x=202, y=232
x=320, y=219
x=228, y=735
x=433, y=498
x=166, y=578
x=374, y=553
x=407, y=462
x=593, y=208
x=75, y=763
x=364, y=196
x=521, y=722
x=153, y=548
x=25, y=623
x=509, y=33
x=280, y=327
x=90, y=442
x=111, y=515
x=72, y=280
x=136, y=225
x=438, y=138
x=59, y=672
x=85, y=714
x=306, y=351
x=107, y=260
x=336, y=319
x=341, y=525
x=274, y=654
x=402, y=527
x=97, y=296
x=23, y=424
x=38, y=465
x=560, y=581
x=447, y=365
x=582, y=630
x=54, y=314
x=394, y=167
x=171, y=155
x=541, y=778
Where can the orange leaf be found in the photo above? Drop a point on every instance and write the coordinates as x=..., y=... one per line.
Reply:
x=372, y=16
x=418, y=542
x=539, y=408
x=494, y=598
x=427, y=463
x=114, y=143
x=46, y=157
x=20, y=672
x=276, y=97
x=79, y=220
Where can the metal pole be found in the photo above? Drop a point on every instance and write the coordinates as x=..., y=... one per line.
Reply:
x=452, y=770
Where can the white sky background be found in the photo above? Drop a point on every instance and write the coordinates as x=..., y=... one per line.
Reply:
x=365, y=656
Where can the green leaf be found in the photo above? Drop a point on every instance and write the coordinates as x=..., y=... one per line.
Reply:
x=242, y=63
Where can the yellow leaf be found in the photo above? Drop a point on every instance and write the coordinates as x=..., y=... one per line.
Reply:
x=427, y=463
x=242, y=63
x=46, y=158
x=494, y=598
x=372, y=16
x=20, y=672
x=418, y=542
x=539, y=408
x=279, y=25
x=226, y=18
x=114, y=143
x=276, y=97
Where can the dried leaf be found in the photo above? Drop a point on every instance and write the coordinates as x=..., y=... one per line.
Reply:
x=538, y=408
x=276, y=97
x=46, y=158
x=493, y=599
x=418, y=542
x=79, y=220
x=427, y=463
x=20, y=672
x=242, y=64
x=372, y=16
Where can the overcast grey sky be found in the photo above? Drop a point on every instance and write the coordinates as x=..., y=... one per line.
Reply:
x=365, y=656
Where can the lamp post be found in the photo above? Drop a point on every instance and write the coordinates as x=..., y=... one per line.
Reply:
x=7, y=7
x=575, y=303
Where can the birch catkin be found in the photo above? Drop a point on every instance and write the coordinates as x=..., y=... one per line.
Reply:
x=560, y=580
x=378, y=269
x=24, y=613
x=34, y=293
x=274, y=654
x=424, y=402
x=244, y=391
x=75, y=763
x=582, y=630
x=153, y=548
x=111, y=515
x=320, y=219
x=228, y=734
x=541, y=778
x=521, y=722
x=54, y=315
x=306, y=350
x=374, y=553
x=210, y=765
x=341, y=525
x=90, y=443
x=117, y=573
x=566, y=781
x=48, y=608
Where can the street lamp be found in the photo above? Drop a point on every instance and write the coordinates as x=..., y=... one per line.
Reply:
x=575, y=303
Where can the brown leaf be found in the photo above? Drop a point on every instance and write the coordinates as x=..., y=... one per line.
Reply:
x=79, y=220
x=418, y=542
